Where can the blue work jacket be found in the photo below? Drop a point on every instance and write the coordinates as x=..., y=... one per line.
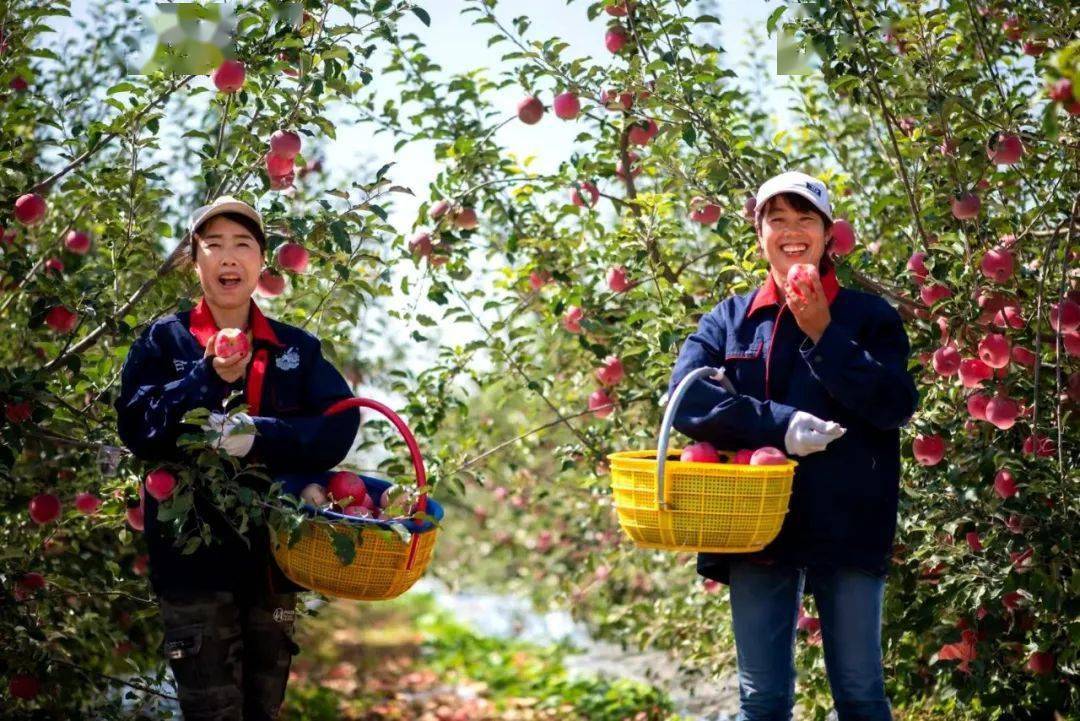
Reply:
x=844, y=499
x=287, y=386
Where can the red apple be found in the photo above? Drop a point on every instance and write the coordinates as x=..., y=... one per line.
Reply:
x=615, y=38
x=965, y=206
x=768, y=456
x=438, y=209
x=1065, y=316
x=229, y=76
x=135, y=517
x=702, y=452
x=611, y=372
x=358, y=511
x=278, y=166
x=1004, y=484
x=618, y=8
x=538, y=279
x=1009, y=317
x=994, y=350
x=530, y=110
x=907, y=125
x=160, y=483
x=87, y=503
x=642, y=131
x=141, y=565
x=1014, y=524
x=466, y=219
x=916, y=265
x=292, y=256
x=30, y=209
x=1004, y=148
x=1011, y=600
x=19, y=84
x=1002, y=411
x=997, y=265
x=976, y=405
x=345, y=484
x=742, y=457
x=24, y=686
x=635, y=169
x=1010, y=26
x=566, y=105
x=946, y=360
x=1033, y=47
x=229, y=342
x=931, y=293
x=1039, y=445
x=572, y=319
x=600, y=403
x=843, y=237
x=44, y=508
x=589, y=189
x=704, y=212
x=973, y=541
x=420, y=244
x=271, y=284
x=973, y=372
x=1041, y=662
x=28, y=585
x=614, y=100
x=1023, y=356
x=285, y=144
x=928, y=450
x=54, y=266
x=77, y=242
x=617, y=281
x=802, y=275
x=17, y=412
x=1061, y=91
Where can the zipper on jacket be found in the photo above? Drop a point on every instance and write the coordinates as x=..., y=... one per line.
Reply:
x=768, y=354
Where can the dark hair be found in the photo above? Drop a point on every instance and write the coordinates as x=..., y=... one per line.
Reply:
x=800, y=203
x=250, y=225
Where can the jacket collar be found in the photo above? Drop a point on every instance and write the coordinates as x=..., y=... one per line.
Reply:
x=203, y=327
x=768, y=294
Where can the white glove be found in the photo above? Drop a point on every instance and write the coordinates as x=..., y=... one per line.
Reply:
x=234, y=433
x=808, y=434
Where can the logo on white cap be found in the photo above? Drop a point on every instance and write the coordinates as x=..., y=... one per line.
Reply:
x=802, y=184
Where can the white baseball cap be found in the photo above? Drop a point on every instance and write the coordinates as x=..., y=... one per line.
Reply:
x=802, y=184
x=223, y=204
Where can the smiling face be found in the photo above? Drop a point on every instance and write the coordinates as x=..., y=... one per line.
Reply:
x=228, y=260
x=788, y=235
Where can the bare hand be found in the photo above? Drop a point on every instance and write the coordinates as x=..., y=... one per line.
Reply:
x=230, y=369
x=810, y=307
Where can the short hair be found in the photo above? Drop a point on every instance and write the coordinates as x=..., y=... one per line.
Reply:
x=800, y=203
x=250, y=225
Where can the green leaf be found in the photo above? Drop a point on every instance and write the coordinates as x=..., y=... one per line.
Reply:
x=422, y=14
x=344, y=547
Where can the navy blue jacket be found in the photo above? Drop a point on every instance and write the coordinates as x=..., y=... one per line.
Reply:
x=165, y=376
x=844, y=499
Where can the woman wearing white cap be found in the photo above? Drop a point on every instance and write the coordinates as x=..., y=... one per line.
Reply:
x=821, y=372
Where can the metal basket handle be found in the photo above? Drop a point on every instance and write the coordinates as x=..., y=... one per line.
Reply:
x=716, y=374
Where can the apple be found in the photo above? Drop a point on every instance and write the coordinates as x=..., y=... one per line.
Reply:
x=87, y=503
x=994, y=350
x=538, y=279
x=1004, y=484
x=44, y=508
x=229, y=342
x=278, y=166
x=973, y=541
x=346, y=484
x=916, y=265
x=946, y=360
x=285, y=144
x=617, y=281
x=600, y=403
x=1065, y=316
x=465, y=219
x=28, y=585
x=1033, y=47
x=1004, y=148
x=843, y=237
x=907, y=125
x=931, y=293
x=17, y=412
x=635, y=169
x=55, y=266
x=802, y=275
x=976, y=405
x=572, y=319
x=1071, y=341
x=229, y=76
x=1041, y=662
x=704, y=212
x=997, y=265
x=438, y=209
x=24, y=686
x=576, y=195
x=768, y=456
x=544, y=541
x=973, y=372
x=30, y=209
x=530, y=110
x=615, y=38
x=1009, y=317
x=702, y=452
x=1014, y=524
x=1010, y=26
x=135, y=517
x=642, y=131
x=1061, y=91
x=19, y=84
x=282, y=182
x=614, y=100
x=77, y=242
x=742, y=457
x=965, y=206
x=947, y=147
x=358, y=511
x=928, y=449
x=292, y=256
x=619, y=8
x=1011, y=600
x=140, y=565
x=271, y=284
x=566, y=105
x=159, y=482
x=749, y=207
x=611, y=372
x=420, y=244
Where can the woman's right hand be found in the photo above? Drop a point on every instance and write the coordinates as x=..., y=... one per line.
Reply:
x=230, y=369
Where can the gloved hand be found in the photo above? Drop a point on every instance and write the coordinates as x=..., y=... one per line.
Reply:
x=808, y=434
x=235, y=434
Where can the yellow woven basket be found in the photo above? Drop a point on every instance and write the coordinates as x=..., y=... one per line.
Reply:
x=674, y=505
x=385, y=565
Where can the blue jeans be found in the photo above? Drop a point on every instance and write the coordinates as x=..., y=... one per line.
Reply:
x=765, y=601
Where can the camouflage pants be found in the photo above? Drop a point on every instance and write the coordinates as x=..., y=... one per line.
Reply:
x=230, y=660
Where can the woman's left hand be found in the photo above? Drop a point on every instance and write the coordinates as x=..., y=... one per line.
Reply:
x=810, y=307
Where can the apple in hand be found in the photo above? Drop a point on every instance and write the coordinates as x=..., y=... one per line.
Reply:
x=229, y=342
x=800, y=276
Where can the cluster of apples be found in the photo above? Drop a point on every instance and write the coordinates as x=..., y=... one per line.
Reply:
x=461, y=217
x=705, y=452
x=349, y=495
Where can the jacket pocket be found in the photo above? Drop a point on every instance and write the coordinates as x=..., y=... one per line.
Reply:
x=183, y=641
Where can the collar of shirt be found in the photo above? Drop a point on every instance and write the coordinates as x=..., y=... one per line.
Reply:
x=768, y=294
x=203, y=327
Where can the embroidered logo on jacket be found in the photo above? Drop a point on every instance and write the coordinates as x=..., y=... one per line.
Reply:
x=288, y=360
x=179, y=365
